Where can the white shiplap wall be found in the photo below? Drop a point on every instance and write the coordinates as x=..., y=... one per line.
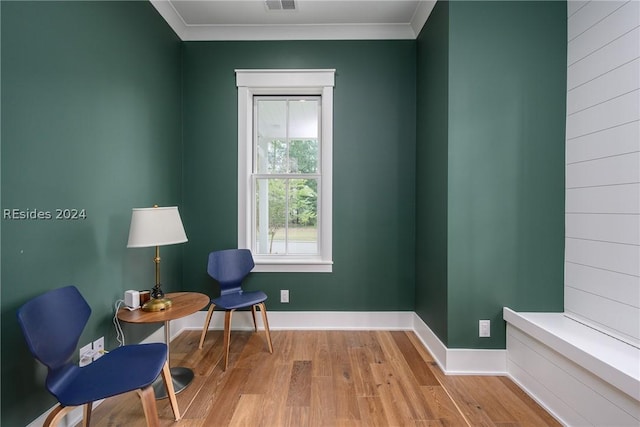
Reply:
x=602, y=244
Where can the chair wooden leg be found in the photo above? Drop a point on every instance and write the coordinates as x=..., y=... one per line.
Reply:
x=168, y=384
x=253, y=314
x=58, y=413
x=86, y=420
x=148, y=398
x=206, y=325
x=227, y=337
x=263, y=309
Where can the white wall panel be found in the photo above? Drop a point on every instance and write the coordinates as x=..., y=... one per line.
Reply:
x=578, y=397
x=607, y=228
x=622, y=20
x=602, y=202
x=617, y=199
x=589, y=15
x=616, y=286
x=542, y=394
x=571, y=393
x=608, y=142
x=621, y=318
x=573, y=6
x=611, y=56
x=615, y=112
x=608, y=256
x=617, y=82
x=621, y=169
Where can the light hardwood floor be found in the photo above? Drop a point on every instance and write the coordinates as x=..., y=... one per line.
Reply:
x=326, y=378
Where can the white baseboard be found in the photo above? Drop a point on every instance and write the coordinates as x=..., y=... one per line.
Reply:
x=309, y=320
x=451, y=361
x=460, y=361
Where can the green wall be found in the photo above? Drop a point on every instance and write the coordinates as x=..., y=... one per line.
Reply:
x=374, y=168
x=504, y=212
x=432, y=170
x=448, y=165
x=91, y=119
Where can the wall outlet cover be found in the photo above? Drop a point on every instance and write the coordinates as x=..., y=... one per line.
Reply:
x=98, y=348
x=85, y=355
x=484, y=327
x=284, y=295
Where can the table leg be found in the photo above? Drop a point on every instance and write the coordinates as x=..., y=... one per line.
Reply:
x=181, y=376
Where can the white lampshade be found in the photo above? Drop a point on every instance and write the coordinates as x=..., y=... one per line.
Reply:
x=155, y=227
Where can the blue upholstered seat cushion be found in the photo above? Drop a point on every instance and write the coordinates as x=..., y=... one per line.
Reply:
x=126, y=368
x=232, y=301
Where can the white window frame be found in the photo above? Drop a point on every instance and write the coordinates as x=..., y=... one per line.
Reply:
x=252, y=83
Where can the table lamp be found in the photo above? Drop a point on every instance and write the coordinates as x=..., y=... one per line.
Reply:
x=156, y=226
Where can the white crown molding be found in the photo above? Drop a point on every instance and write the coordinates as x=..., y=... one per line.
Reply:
x=171, y=16
x=402, y=31
x=298, y=32
x=421, y=15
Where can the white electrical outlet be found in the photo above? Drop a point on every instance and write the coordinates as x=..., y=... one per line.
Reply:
x=284, y=295
x=484, y=328
x=98, y=348
x=86, y=353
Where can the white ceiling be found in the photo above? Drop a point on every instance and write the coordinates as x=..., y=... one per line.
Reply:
x=312, y=19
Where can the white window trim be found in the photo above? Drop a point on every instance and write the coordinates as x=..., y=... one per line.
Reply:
x=285, y=82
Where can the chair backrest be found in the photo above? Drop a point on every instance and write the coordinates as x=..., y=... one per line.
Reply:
x=229, y=267
x=52, y=324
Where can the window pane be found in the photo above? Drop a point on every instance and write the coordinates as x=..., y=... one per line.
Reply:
x=303, y=118
x=272, y=117
x=303, y=156
x=286, y=216
x=271, y=155
x=303, y=216
x=271, y=216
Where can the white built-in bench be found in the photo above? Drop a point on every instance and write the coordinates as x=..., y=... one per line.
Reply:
x=581, y=375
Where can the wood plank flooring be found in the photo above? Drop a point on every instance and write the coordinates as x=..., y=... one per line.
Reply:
x=326, y=378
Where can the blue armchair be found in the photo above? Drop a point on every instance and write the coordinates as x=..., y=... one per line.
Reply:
x=230, y=267
x=52, y=324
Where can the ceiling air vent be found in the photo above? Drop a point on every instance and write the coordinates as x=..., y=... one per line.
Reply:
x=280, y=4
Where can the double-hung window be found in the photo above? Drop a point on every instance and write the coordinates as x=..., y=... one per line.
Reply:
x=285, y=120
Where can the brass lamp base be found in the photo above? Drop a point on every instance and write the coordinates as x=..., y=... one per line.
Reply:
x=157, y=304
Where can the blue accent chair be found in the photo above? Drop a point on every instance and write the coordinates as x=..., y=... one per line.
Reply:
x=52, y=324
x=230, y=267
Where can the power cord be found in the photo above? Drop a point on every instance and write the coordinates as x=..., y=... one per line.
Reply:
x=116, y=323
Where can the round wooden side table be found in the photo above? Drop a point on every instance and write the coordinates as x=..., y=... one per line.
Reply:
x=184, y=304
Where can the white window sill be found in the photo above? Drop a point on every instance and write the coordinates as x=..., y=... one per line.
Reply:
x=292, y=266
